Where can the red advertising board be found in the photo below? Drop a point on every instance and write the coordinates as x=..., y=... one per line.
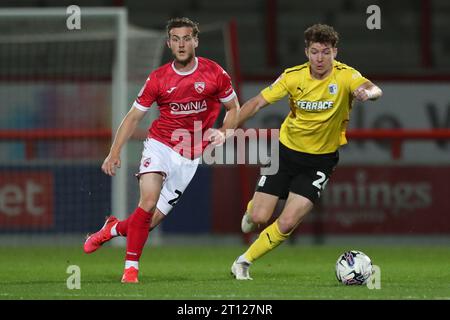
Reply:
x=385, y=200
x=408, y=200
x=26, y=199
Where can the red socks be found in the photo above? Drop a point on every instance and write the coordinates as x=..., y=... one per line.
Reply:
x=122, y=227
x=136, y=229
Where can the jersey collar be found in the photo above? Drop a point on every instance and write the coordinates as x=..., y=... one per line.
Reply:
x=185, y=73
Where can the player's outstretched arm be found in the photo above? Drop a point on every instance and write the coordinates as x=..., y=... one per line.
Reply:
x=126, y=129
x=230, y=122
x=251, y=107
x=367, y=91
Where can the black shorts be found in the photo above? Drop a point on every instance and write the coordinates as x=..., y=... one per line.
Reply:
x=301, y=173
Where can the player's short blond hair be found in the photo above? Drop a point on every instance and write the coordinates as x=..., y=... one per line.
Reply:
x=183, y=22
x=321, y=33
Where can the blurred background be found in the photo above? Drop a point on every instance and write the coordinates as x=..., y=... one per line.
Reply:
x=63, y=91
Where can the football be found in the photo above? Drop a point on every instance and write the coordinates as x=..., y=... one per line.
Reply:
x=353, y=268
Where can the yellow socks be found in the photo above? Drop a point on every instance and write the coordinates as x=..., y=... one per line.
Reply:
x=268, y=239
x=249, y=206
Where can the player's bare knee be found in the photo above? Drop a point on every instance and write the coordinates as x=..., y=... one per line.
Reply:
x=260, y=216
x=148, y=204
x=158, y=216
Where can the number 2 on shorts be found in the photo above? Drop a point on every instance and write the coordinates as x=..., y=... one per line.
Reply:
x=321, y=182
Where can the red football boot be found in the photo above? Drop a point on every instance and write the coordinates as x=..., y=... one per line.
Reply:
x=95, y=241
x=130, y=275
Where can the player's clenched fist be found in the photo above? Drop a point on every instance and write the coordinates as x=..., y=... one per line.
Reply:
x=110, y=164
x=216, y=137
x=362, y=94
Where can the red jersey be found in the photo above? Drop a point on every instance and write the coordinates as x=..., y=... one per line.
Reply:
x=189, y=103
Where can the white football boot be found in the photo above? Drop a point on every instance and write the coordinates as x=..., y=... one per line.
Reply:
x=247, y=225
x=240, y=270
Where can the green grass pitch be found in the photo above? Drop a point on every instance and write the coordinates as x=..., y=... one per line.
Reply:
x=203, y=272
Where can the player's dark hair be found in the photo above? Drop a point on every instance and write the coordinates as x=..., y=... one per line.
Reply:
x=321, y=33
x=182, y=22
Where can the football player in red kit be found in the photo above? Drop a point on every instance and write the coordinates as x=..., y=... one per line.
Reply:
x=189, y=92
